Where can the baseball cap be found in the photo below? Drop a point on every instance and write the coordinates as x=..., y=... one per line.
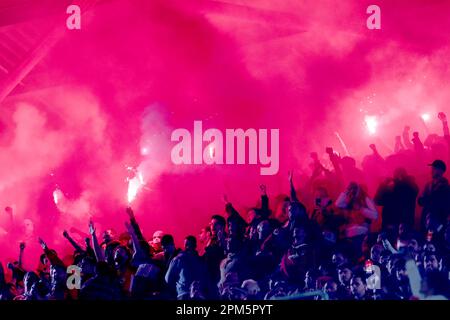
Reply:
x=438, y=164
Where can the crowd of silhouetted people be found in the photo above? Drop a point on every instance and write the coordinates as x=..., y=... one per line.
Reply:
x=376, y=232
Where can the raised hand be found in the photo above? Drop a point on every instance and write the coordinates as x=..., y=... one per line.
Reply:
x=65, y=234
x=79, y=232
x=91, y=227
x=225, y=199
x=42, y=243
x=442, y=116
x=22, y=246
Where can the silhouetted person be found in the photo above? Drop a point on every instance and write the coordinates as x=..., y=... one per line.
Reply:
x=406, y=140
x=186, y=268
x=446, y=131
x=169, y=251
x=104, y=285
x=435, y=198
x=418, y=145
x=397, y=196
x=215, y=249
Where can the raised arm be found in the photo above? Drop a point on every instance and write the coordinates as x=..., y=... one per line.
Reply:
x=264, y=198
x=374, y=149
x=336, y=162
x=233, y=214
x=134, y=224
x=406, y=141
x=72, y=242
x=230, y=210
x=136, y=243
x=317, y=166
x=443, y=119
x=79, y=232
x=293, y=193
x=22, y=248
x=388, y=246
x=89, y=249
x=51, y=254
x=99, y=255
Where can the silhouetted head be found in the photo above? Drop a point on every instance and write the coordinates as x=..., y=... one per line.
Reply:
x=190, y=243
x=438, y=168
x=400, y=174
x=167, y=243
x=156, y=240
x=217, y=224
x=296, y=211
x=121, y=257
x=109, y=235
x=205, y=234
x=87, y=266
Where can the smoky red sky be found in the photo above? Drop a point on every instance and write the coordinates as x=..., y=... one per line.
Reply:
x=108, y=96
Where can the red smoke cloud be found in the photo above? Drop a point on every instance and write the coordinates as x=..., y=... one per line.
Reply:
x=139, y=69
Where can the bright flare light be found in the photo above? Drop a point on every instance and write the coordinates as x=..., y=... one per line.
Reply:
x=425, y=117
x=144, y=151
x=371, y=123
x=134, y=186
x=57, y=195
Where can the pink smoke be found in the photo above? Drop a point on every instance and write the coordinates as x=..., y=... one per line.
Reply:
x=139, y=69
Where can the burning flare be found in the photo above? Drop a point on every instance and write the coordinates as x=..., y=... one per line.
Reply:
x=135, y=184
